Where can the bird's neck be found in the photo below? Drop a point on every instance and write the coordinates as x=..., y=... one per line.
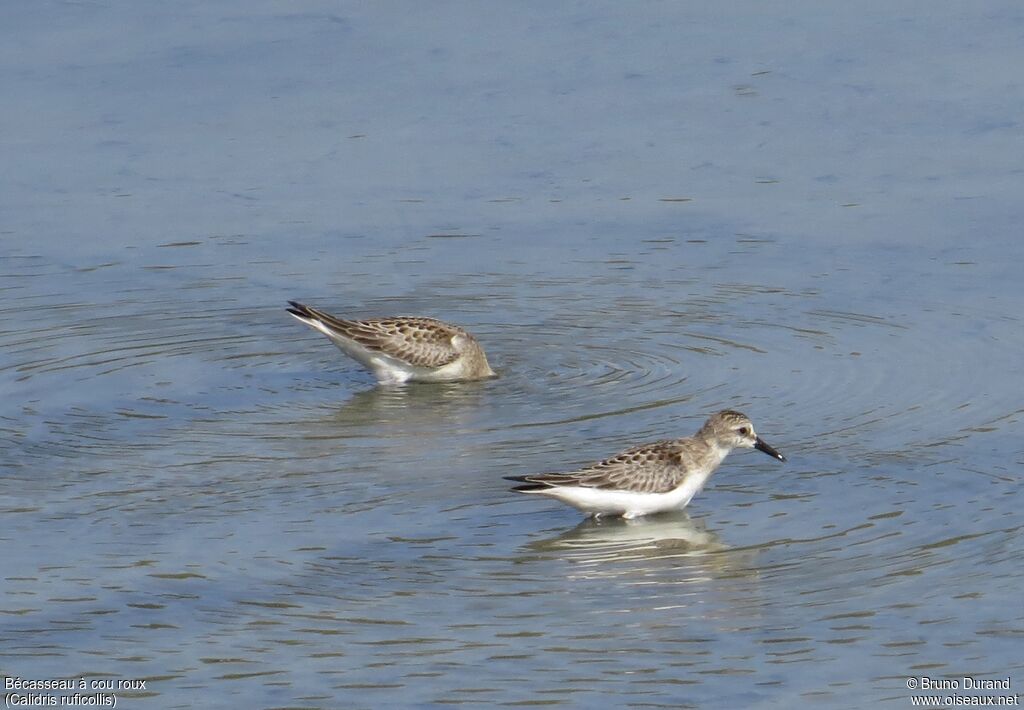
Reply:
x=715, y=451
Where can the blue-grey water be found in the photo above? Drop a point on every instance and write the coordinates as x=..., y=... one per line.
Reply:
x=646, y=212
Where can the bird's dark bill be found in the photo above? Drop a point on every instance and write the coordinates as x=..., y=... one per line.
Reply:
x=761, y=445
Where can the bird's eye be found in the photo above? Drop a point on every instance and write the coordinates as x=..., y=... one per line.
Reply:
x=743, y=431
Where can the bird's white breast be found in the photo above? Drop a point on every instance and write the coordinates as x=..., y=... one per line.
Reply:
x=629, y=503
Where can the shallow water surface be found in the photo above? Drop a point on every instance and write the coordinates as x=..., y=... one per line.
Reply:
x=200, y=492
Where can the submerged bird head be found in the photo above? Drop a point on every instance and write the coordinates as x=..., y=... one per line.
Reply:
x=475, y=359
x=730, y=429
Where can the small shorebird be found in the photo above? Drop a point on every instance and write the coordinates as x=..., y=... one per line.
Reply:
x=650, y=478
x=403, y=348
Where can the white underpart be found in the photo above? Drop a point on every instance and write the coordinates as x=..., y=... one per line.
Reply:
x=629, y=504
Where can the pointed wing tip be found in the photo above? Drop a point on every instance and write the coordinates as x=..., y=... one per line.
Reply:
x=298, y=309
x=528, y=486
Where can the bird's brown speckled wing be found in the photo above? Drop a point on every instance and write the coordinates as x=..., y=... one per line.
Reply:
x=421, y=342
x=649, y=468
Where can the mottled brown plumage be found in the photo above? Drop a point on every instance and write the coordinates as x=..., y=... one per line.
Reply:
x=651, y=477
x=402, y=348
x=656, y=467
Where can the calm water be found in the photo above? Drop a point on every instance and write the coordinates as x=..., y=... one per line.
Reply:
x=813, y=217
